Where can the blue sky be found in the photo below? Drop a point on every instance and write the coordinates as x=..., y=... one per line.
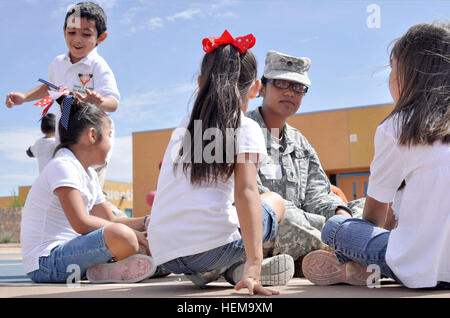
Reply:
x=154, y=49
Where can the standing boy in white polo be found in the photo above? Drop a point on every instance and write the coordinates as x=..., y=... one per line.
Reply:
x=82, y=70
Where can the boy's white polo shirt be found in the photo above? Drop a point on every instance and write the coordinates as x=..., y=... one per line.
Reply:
x=44, y=223
x=91, y=72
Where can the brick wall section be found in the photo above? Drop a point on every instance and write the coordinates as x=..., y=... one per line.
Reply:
x=10, y=223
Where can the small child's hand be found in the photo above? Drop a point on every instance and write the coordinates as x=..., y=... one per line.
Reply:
x=250, y=280
x=14, y=98
x=90, y=97
x=254, y=287
x=142, y=240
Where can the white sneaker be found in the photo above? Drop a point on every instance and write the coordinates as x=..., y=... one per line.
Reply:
x=275, y=271
x=132, y=269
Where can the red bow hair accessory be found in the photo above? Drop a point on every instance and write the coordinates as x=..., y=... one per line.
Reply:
x=241, y=43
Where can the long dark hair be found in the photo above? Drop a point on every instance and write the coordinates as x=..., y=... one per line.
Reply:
x=423, y=70
x=82, y=115
x=226, y=78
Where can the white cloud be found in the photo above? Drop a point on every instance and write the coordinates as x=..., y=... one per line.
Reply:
x=129, y=15
x=13, y=144
x=154, y=23
x=17, y=168
x=381, y=72
x=9, y=183
x=307, y=40
x=186, y=14
x=196, y=10
x=107, y=4
x=353, y=77
x=227, y=14
x=20, y=179
x=148, y=105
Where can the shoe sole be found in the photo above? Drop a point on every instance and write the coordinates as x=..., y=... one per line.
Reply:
x=133, y=269
x=275, y=271
x=323, y=268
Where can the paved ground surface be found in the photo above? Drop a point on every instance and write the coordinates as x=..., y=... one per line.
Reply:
x=15, y=284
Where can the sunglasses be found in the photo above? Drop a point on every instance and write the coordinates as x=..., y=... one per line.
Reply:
x=297, y=87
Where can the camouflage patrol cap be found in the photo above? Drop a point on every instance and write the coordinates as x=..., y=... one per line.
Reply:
x=286, y=67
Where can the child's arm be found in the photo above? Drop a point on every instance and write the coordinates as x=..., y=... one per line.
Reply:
x=248, y=205
x=75, y=210
x=375, y=211
x=391, y=222
x=107, y=103
x=84, y=223
x=30, y=153
x=16, y=98
x=103, y=211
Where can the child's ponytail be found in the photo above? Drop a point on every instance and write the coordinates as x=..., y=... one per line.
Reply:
x=226, y=77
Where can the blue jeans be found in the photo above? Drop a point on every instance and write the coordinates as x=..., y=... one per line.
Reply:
x=225, y=256
x=85, y=251
x=359, y=241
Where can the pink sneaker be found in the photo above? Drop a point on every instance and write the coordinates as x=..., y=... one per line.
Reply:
x=132, y=269
x=323, y=268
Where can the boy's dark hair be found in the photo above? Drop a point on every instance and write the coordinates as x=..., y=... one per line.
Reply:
x=423, y=68
x=48, y=123
x=226, y=78
x=82, y=115
x=90, y=11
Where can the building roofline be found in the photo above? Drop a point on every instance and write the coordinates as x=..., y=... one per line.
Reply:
x=298, y=114
x=343, y=108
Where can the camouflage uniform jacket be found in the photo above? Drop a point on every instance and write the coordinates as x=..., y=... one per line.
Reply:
x=303, y=181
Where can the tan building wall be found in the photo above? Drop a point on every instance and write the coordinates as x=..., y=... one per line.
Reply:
x=118, y=193
x=121, y=195
x=5, y=202
x=23, y=193
x=16, y=198
x=342, y=138
x=148, y=151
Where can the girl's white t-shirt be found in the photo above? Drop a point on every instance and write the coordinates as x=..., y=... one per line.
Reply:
x=186, y=219
x=418, y=250
x=44, y=223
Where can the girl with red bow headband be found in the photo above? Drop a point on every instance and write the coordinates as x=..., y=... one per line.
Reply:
x=208, y=218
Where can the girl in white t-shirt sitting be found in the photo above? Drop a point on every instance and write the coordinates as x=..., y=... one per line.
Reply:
x=412, y=144
x=208, y=218
x=67, y=227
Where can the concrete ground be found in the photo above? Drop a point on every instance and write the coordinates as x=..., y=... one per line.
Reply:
x=15, y=284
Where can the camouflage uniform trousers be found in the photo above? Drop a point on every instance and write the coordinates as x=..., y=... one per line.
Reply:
x=300, y=232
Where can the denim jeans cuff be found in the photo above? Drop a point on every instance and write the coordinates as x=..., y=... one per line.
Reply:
x=330, y=229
